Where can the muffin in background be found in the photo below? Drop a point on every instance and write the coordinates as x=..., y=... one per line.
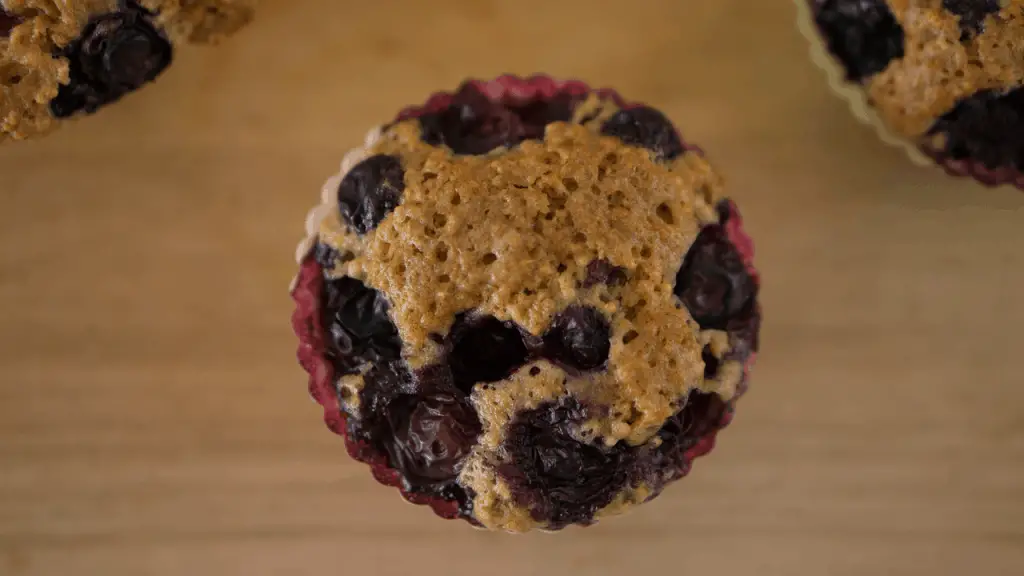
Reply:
x=59, y=60
x=944, y=79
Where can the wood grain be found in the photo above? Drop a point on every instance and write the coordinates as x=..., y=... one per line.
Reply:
x=153, y=420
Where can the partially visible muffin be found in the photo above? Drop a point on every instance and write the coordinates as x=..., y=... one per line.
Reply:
x=62, y=59
x=527, y=303
x=944, y=76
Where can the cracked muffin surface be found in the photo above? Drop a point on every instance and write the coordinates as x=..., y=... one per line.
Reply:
x=527, y=303
x=947, y=76
x=62, y=59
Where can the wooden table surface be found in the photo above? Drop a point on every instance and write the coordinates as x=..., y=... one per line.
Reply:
x=153, y=420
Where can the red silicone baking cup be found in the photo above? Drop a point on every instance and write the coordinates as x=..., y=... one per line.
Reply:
x=977, y=170
x=857, y=98
x=309, y=285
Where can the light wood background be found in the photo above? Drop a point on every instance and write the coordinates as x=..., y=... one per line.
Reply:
x=153, y=420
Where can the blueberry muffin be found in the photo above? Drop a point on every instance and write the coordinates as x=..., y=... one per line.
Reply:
x=944, y=76
x=526, y=304
x=60, y=59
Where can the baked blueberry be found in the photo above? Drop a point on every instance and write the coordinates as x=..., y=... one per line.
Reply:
x=560, y=479
x=430, y=437
x=472, y=123
x=370, y=191
x=578, y=339
x=115, y=54
x=534, y=116
x=713, y=282
x=484, y=349
x=499, y=349
x=987, y=127
x=645, y=127
x=356, y=320
x=863, y=34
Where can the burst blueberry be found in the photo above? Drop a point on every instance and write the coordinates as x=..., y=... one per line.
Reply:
x=474, y=124
x=578, y=338
x=645, y=127
x=713, y=282
x=863, y=35
x=357, y=321
x=370, y=191
x=116, y=53
x=484, y=349
x=431, y=437
x=561, y=479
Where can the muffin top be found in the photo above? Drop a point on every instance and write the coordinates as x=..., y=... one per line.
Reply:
x=552, y=273
x=947, y=73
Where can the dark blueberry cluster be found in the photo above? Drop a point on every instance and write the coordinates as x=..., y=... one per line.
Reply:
x=115, y=54
x=987, y=127
x=483, y=349
x=863, y=35
x=423, y=419
x=431, y=435
x=474, y=124
x=422, y=423
x=562, y=480
x=972, y=14
x=578, y=339
x=370, y=191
